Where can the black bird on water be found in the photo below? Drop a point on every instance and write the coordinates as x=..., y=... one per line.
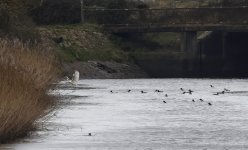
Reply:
x=111, y=91
x=193, y=100
x=211, y=86
x=89, y=134
x=210, y=104
x=218, y=93
x=164, y=102
x=166, y=95
x=201, y=100
x=189, y=92
x=226, y=90
x=143, y=92
x=129, y=91
x=158, y=91
x=223, y=92
x=181, y=89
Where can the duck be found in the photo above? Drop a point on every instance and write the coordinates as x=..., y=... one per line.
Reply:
x=187, y=92
x=143, y=92
x=166, y=95
x=164, y=102
x=211, y=86
x=210, y=104
x=190, y=91
x=193, y=100
x=226, y=90
x=201, y=100
x=222, y=92
x=158, y=91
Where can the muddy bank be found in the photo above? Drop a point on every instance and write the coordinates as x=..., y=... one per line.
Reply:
x=105, y=70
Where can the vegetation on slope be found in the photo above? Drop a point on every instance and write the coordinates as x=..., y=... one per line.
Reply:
x=26, y=76
x=81, y=42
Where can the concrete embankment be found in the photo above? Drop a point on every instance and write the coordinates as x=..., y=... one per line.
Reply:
x=105, y=70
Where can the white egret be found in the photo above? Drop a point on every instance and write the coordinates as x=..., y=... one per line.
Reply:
x=75, y=78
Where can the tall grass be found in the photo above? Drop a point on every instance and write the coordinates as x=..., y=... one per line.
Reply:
x=26, y=74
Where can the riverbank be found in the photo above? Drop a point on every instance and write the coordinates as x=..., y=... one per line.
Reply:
x=105, y=70
x=27, y=74
x=97, y=54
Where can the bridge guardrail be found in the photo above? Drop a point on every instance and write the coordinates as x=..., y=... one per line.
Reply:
x=169, y=16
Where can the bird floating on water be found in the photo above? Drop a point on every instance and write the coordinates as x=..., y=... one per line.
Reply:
x=189, y=92
x=158, y=91
x=226, y=90
x=211, y=86
x=75, y=78
x=201, y=100
x=143, y=92
x=210, y=104
x=218, y=93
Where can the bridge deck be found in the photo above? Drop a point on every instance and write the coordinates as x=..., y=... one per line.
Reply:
x=138, y=28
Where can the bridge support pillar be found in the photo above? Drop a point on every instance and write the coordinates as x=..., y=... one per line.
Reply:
x=189, y=48
x=224, y=34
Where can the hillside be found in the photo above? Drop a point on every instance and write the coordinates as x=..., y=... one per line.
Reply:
x=87, y=48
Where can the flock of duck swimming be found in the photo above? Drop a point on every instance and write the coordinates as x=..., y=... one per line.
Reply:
x=190, y=92
x=75, y=78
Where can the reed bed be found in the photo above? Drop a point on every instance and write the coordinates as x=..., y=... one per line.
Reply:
x=26, y=75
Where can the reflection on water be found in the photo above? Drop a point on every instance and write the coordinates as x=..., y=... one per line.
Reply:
x=134, y=120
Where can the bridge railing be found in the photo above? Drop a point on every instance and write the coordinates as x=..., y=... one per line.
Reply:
x=169, y=16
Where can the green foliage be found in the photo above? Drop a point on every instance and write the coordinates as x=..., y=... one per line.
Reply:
x=112, y=16
x=83, y=42
x=148, y=42
x=107, y=52
x=57, y=12
x=5, y=19
x=69, y=11
x=13, y=14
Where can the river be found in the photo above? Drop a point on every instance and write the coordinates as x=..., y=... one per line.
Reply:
x=143, y=121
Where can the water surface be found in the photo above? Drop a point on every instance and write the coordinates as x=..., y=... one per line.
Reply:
x=132, y=120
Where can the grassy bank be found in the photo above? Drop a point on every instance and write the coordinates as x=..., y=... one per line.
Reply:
x=84, y=42
x=81, y=42
x=26, y=76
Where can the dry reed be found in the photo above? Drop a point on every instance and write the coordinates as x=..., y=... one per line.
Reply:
x=26, y=74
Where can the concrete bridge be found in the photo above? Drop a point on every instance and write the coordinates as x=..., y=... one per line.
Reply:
x=188, y=21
